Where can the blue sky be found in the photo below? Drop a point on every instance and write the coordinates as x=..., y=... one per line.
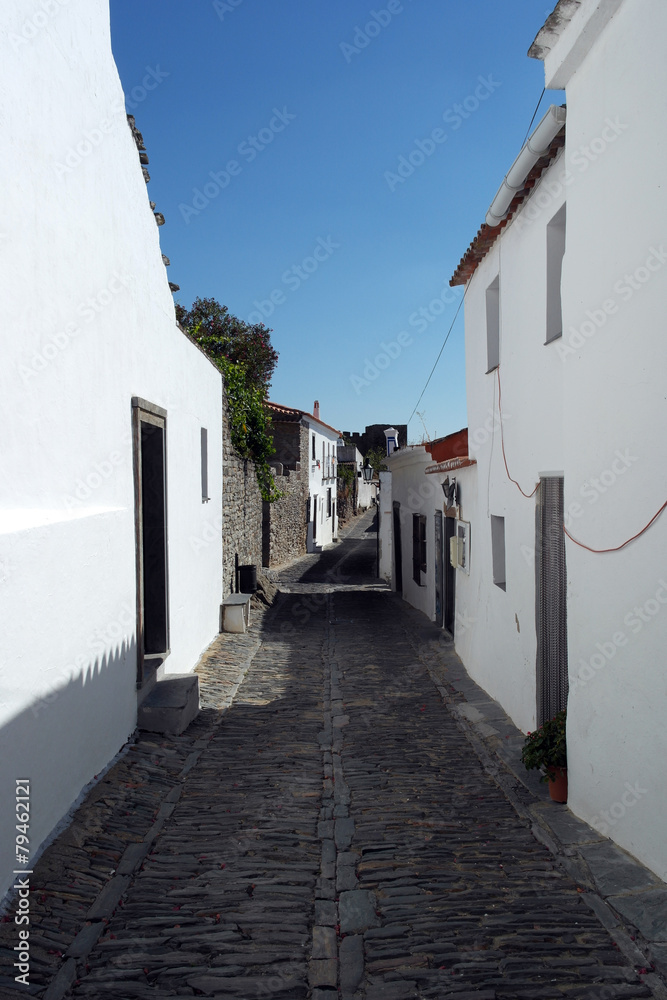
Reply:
x=291, y=120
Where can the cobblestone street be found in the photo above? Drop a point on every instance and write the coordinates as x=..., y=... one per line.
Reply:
x=325, y=828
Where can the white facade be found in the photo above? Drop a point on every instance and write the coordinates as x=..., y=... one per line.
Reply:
x=366, y=492
x=414, y=498
x=614, y=413
x=588, y=406
x=89, y=326
x=322, y=483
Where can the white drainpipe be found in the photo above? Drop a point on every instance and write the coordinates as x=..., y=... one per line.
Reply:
x=536, y=146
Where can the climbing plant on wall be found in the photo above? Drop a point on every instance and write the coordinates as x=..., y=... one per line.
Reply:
x=246, y=358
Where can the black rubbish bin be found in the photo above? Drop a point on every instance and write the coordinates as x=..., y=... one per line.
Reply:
x=247, y=579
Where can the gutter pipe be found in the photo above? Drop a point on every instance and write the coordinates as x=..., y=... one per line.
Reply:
x=536, y=146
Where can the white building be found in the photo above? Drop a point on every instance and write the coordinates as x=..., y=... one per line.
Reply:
x=419, y=507
x=364, y=492
x=110, y=504
x=566, y=291
x=322, y=513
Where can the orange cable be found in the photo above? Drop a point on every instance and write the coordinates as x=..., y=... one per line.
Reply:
x=502, y=441
x=623, y=544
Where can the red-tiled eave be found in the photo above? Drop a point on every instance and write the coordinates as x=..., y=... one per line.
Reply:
x=450, y=465
x=290, y=415
x=488, y=235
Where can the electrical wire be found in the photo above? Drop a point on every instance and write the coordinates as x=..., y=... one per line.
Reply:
x=439, y=354
x=502, y=442
x=544, y=90
x=623, y=544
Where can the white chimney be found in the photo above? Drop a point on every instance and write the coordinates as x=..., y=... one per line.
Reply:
x=316, y=410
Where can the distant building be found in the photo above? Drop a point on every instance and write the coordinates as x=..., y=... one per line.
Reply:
x=373, y=437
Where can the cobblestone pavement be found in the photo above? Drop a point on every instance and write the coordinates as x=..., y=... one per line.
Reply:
x=324, y=829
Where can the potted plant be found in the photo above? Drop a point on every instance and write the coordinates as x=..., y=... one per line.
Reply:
x=546, y=749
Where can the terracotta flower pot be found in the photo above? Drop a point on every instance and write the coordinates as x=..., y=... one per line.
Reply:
x=557, y=783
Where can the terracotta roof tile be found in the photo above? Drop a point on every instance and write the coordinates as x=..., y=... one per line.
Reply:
x=488, y=235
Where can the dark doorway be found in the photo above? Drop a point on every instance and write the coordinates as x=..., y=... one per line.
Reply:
x=398, y=552
x=551, y=599
x=151, y=532
x=450, y=577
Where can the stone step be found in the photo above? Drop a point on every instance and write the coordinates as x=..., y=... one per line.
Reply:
x=171, y=705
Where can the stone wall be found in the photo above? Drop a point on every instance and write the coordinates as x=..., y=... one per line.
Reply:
x=284, y=527
x=242, y=512
x=254, y=531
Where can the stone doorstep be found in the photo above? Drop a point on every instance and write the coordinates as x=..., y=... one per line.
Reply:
x=171, y=705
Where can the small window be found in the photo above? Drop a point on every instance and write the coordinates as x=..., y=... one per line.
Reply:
x=555, y=254
x=313, y=449
x=204, y=466
x=498, y=550
x=329, y=502
x=493, y=325
x=418, y=547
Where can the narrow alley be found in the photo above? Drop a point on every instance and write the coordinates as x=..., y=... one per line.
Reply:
x=324, y=829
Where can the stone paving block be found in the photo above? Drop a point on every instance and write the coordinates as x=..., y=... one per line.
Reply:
x=614, y=872
x=601, y=909
x=326, y=912
x=564, y=824
x=343, y=833
x=325, y=943
x=107, y=901
x=323, y=972
x=658, y=954
x=356, y=910
x=62, y=981
x=132, y=857
x=647, y=911
x=351, y=961
x=346, y=878
x=86, y=940
x=328, y=849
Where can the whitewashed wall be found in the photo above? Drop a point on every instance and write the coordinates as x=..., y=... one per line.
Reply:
x=417, y=494
x=614, y=366
x=385, y=530
x=499, y=648
x=322, y=477
x=88, y=323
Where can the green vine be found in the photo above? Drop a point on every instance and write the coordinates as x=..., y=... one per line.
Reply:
x=249, y=424
x=246, y=375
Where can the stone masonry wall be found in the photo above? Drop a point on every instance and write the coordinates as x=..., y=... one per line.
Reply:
x=255, y=532
x=285, y=527
x=242, y=512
